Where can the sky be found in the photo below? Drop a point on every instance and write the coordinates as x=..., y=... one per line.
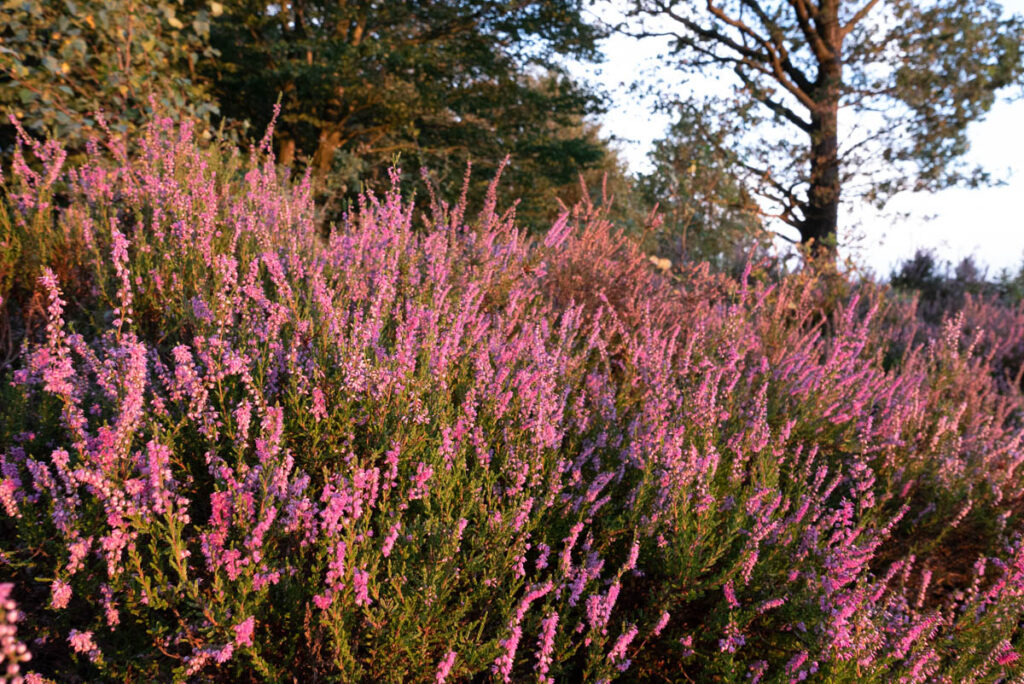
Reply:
x=986, y=223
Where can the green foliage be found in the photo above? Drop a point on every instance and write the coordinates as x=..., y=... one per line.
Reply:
x=956, y=56
x=708, y=213
x=362, y=85
x=431, y=84
x=62, y=61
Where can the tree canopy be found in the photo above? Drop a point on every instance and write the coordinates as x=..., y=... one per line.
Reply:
x=61, y=63
x=707, y=210
x=912, y=75
x=362, y=82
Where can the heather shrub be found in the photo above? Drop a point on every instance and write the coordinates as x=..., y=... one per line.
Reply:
x=432, y=448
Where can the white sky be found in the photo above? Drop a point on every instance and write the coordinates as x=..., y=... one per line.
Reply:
x=987, y=223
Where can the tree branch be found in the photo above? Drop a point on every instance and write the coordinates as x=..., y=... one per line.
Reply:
x=799, y=77
x=786, y=196
x=771, y=55
x=774, y=105
x=766, y=61
x=806, y=13
x=857, y=18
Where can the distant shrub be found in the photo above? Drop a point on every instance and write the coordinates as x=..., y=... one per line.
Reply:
x=432, y=448
x=942, y=289
x=991, y=309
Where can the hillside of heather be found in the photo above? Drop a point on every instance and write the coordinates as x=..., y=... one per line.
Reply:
x=427, y=446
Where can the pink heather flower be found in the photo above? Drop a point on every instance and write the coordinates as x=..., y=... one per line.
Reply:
x=447, y=449
x=243, y=632
x=921, y=629
x=503, y=664
x=336, y=567
x=224, y=654
x=12, y=651
x=523, y=515
x=733, y=639
x=444, y=667
x=565, y=560
x=546, y=645
x=771, y=604
x=319, y=411
x=542, y=557
x=922, y=593
x=1005, y=655
x=599, y=609
x=391, y=461
x=360, y=580
x=419, y=481
x=81, y=642
x=618, y=651
x=634, y=553
x=660, y=625
x=757, y=670
x=60, y=594
x=243, y=418
x=920, y=671
x=389, y=540
x=520, y=566
x=537, y=591
x=730, y=595
x=748, y=566
x=9, y=489
x=795, y=662
x=459, y=529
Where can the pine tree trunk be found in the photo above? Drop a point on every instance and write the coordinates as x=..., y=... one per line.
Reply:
x=821, y=215
x=324, y=156
x=286, y=152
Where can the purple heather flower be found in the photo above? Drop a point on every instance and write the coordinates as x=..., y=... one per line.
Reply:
x=109, y=607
